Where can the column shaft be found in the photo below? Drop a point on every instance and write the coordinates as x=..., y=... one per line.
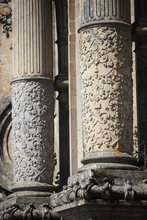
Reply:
x=106, y=66
x=32, y=38
x=32, y=98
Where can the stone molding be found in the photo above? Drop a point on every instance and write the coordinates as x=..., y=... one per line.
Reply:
x=16, y=211
x=104, y=11
x=104, y=185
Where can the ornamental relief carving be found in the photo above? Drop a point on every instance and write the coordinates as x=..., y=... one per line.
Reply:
x=32, y=117
x=6, y=16
x=106, y=88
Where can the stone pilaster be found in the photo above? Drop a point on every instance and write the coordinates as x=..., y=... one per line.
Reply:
x=106, y=83
x=32, y=97
x=140, y=36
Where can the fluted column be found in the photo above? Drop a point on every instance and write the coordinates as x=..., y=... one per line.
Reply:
x=106, y=83
x=32, y=97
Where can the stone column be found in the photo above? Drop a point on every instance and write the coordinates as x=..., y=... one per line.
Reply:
x=32, y=97
x=106, y=83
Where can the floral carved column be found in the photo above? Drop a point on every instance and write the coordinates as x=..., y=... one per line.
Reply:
x=106, y=83
x=32, y=98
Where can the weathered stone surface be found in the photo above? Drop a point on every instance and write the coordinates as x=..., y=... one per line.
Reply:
x=6, y=146
x=6, y=16
x=27, y=208
x=99, y=194
x=32, y=116
x=32, y=38
x=5, y=48
x=32, y=96
x=106, y=88
x=107, y=185
x=104, y=11
x=93, y=193
x=105, y=53
x=102, y=210
x=74, y=92
x=106, y=81
x=5, y=90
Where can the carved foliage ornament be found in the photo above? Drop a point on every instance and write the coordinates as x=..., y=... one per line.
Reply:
x=15, y=211
x=90, y=185
x=106, y=88
x=32, y=117
x=6, y=16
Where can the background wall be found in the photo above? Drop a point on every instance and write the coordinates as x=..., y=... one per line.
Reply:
x=6, y=61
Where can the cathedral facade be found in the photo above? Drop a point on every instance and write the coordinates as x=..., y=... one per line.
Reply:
x=73, y=109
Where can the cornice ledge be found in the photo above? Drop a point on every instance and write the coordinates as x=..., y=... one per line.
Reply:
x=95, y=184
x=15, y=211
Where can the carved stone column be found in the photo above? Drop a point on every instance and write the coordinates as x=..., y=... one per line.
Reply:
x=106, y=83
x=32, y=98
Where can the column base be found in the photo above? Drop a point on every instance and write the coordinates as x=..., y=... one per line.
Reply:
x=32, y=189
x=108, y=160
x=103, y=195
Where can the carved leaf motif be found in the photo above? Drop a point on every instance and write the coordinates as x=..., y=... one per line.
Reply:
x=32, y=124
x=106, y=88
x=6, y=16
